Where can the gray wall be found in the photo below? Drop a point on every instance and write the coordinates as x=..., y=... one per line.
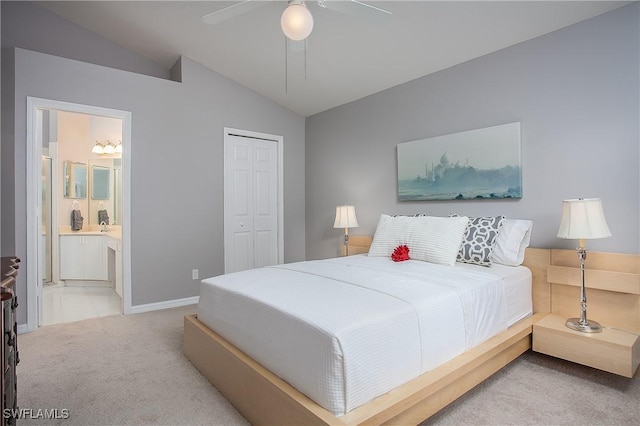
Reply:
x=7, y=168
x=576, y=93
x=1, y=126
x=176, y=163
x=31, y=27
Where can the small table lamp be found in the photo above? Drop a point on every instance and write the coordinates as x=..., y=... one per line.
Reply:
x=346, y=218
x=583, y=219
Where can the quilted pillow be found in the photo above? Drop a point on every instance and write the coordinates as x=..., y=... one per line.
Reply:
x=480, y=240
x=436, y=239
x=429, y=238
x=391, y=232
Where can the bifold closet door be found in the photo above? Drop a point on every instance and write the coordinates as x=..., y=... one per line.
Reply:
x=251, y=202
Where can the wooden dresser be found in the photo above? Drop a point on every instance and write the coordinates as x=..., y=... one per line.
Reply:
x=9, y=328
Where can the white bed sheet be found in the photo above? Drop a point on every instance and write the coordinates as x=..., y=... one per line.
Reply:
x=516, y=281
x=343, y=331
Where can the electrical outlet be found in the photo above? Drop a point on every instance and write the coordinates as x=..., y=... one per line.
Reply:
x=194, y=274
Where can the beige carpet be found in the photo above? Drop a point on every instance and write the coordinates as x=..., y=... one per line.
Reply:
x=130, y=370
x=537, y=389
x=116, y=370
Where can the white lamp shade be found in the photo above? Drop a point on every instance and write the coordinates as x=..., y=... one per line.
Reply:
x=583, y=219
x=296, y=21
x=118, y=148
x=345, y=217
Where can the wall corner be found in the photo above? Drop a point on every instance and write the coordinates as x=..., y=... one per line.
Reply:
x=175, y=73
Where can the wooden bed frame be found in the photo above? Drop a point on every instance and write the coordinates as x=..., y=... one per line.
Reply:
x=264, y=398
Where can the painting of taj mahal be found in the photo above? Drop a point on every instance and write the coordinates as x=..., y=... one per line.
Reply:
x=477, y=164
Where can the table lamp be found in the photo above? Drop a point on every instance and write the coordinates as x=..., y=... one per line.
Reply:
x=583, y=219
x=346, y=218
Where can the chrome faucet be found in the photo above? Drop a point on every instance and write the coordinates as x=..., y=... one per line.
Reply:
x=104, y=227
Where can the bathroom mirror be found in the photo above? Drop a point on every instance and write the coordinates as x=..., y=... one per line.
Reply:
x=75, y=179
x=100, y=182
x=105, y=183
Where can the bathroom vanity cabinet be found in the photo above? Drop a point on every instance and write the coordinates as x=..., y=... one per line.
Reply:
x=114, y=253
x=83, y=257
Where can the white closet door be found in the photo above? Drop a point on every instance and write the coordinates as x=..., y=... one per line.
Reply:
x=265, y=197
x=251, y=203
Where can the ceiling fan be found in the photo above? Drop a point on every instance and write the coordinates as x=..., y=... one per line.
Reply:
x=296, y=20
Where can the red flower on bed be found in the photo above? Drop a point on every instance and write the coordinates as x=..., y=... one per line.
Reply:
x=400, y=253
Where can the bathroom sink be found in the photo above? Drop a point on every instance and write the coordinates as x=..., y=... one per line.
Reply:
x=114, y=233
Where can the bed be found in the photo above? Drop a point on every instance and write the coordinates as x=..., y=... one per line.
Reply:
x=380, y=353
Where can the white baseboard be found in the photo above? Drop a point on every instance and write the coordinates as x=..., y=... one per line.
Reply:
x=24, y=328
x=138, y=309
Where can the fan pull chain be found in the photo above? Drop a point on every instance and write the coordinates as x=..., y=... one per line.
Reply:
x=286, y=63
x=305, y=59
x=286, y=66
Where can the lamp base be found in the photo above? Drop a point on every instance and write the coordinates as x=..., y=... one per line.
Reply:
x=589, y=327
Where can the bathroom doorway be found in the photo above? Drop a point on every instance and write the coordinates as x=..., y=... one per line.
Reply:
x=78, y=211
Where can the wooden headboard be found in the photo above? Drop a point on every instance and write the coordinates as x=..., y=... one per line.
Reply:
x=613, y=287
x=358, y=244
x=612, y=281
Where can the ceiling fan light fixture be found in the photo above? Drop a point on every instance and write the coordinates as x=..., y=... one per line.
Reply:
x=296, y=21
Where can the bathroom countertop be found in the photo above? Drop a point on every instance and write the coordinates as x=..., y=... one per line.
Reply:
x=113, y=233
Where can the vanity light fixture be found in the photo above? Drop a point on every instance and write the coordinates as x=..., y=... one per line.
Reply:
x=109, y=148
x=98, y=148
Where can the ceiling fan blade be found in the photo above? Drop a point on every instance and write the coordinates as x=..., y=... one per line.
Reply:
x=356, y=8
x=232, y=11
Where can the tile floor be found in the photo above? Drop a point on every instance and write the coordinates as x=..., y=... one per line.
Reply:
x=74, y=303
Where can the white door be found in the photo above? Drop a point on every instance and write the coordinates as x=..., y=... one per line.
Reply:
x=251, y=186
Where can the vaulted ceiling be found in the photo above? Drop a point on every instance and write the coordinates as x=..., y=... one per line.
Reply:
x=347, y=56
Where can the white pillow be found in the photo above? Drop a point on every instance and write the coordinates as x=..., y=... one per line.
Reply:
x=429, y=238
x=436, y=239
x=513, y=239
x=391, y=232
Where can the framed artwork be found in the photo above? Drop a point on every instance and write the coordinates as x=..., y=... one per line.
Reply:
x=477, y=164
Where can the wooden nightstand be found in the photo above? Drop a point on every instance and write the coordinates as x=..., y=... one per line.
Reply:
x=613, y=350
x=358, y=244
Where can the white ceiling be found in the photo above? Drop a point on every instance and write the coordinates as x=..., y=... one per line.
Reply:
x=347, y=58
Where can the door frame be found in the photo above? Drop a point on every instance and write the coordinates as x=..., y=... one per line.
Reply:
x=34, y=155
x=228, y=133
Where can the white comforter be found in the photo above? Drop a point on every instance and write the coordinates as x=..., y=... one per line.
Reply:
x=343, y=331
